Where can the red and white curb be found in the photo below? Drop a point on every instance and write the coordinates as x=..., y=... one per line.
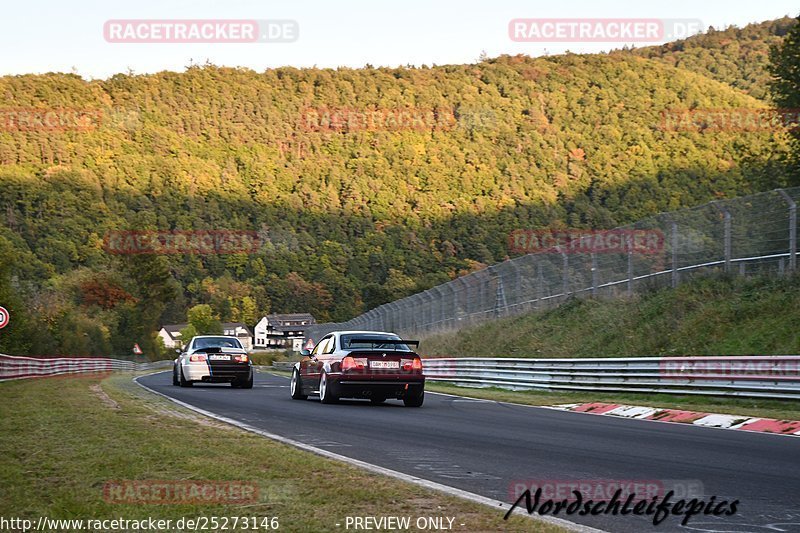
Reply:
x=743, y=423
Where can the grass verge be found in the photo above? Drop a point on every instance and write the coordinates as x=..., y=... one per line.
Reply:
x=63, y=439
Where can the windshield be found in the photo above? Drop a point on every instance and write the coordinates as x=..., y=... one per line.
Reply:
x=348, y=344
x=216, y=342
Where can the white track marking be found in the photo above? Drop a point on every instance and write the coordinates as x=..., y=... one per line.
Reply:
x=452, y=491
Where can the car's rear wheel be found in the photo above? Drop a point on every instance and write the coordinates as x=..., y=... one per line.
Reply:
x=247, y=383
x=326, y=394
x=296, y=386
x=175, y=376
x=414, y=397
x=183, y=381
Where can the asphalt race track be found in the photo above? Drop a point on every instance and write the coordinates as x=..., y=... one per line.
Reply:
x=485, y=447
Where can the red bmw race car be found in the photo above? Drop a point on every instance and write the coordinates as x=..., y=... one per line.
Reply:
x=360, y=364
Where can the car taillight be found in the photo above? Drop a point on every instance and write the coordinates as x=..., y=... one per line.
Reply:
x=197, y=358
x=412, y=364
x=349, y=363
x=241, y=358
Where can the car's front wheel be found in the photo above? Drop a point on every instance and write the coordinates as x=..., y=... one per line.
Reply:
x=296, y=386
x=326, y=394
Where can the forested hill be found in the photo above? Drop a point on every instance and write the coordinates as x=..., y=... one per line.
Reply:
x=736, y=56
x=351, y=216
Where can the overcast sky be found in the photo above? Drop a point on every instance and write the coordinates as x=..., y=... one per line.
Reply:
x=67, y=35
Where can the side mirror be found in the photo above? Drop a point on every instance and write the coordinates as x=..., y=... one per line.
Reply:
x=305, y=353
x=178, y=350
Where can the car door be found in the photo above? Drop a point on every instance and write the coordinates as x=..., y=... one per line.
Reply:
x=311, y=367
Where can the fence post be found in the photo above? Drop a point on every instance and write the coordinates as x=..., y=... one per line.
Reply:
x=565, y=274
x=539, y=284
x=462, y=309
x=727, y=234
x=594, y=274
x=792, y=229
x=630, y=266
x=447, y=315
x=674, y=237
x=437, y=289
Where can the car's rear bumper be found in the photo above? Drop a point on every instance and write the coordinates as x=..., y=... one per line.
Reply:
x=360, y=386
x=216, y=374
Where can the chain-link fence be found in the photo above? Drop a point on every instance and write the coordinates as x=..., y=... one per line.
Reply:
x=744, y=236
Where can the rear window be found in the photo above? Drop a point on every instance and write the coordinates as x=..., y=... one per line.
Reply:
x=348, y=344
x=216, y=342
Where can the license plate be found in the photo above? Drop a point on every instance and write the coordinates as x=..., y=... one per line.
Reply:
x=384, y=364
x=219, y=357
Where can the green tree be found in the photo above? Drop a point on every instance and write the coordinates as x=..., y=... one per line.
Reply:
x=785, y=86
x=14, y=338
x=202, y=318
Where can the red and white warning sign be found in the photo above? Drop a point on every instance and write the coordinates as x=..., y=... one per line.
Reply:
x=137, y=350
x=5, y=316
x=309, y=344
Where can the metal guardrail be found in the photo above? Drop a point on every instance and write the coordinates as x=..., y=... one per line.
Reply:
x=17, y=367
x=757, y=376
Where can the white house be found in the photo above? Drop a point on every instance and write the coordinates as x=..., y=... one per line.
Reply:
x=282, y=332
x=240, y=331
x=171, y=335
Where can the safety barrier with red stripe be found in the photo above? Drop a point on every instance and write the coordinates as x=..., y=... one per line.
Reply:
x=18, y=367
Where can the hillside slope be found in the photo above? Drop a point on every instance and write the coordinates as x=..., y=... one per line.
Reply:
x=736, y=56
x=713, y=316
x=350, y=217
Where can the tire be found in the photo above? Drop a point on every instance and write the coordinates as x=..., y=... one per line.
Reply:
x=182, y=381
x=326, y=395
x=414, y=398
x=296, y=386
x=377, y=400
x=175, y=376
x=248, y=383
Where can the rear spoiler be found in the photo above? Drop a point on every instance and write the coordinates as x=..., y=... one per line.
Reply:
x=380, y=341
